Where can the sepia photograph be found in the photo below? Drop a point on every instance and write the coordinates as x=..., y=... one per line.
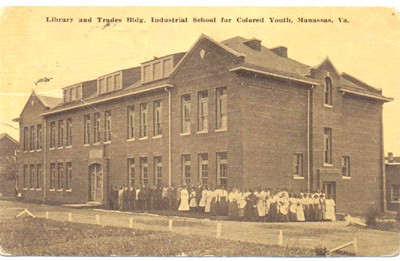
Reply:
x=156, y=131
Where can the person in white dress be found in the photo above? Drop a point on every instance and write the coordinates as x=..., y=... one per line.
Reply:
x=192, y=199
x=260, y=203
x=184, y=196
x=207, y=207
x=300, y=208
x=292, y=208
x=330, y=209
x=203, y=200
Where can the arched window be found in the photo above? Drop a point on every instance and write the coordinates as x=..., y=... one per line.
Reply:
x=328, y=92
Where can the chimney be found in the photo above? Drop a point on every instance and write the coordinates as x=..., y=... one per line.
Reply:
x=390, y=157
x=281, y=51
x=254, y=44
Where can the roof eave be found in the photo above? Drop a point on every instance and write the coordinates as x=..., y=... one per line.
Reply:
x=166, y=85
x=381, y=98
x=244, y=68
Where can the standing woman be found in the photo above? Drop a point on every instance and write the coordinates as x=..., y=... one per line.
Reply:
x=330, y=209
x=241, y=203
x=184, y=205
x=203, y=199
x=300, y=209
x=317, y=207
x=292, y=208
x=233, y=212
x=223, y=202
x=260, y=204
x=193, y=199
x=213, y=203
x=250, y=211
x=207, y=208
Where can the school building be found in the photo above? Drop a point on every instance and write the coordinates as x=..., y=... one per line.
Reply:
x=222, y=113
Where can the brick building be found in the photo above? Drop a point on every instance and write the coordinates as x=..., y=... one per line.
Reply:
x=231, y=112
x=392, y=169
x=8, y=152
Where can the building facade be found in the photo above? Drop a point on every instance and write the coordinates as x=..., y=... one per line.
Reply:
x=231, y=113
x=392, y=169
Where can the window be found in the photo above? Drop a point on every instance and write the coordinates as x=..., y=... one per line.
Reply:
x=157, y=73
x=68, y=172
x=167, y=67
x=222, y=169
x=203, y=168
x=24, y=181
x=158, y=171
x=38, y=176
x=73, y=93
x=86, y=131
x=110, y=86
x=79, y=92
x=60, y=176
x=186, y=113
x=52, y=134
x=32, y=177
x=146, y=73
x=186, y=170
x=346, y=166
x=52, y=176
x=66, y=96
x=395, y=193
x=131, y=172
x=131, y=122
x=222, y=109
x=69, y=132
x=32, y=138
x=117, y=82
x=26, y=138
x=60, y=133
x=298, y=164
x=143, y=120
x=157, y=118
x=327, y=145
x=107, y=130
x=203, y=111
x=102, y=86
x=39, y=137
x=96, y=128
x=144, y=171
x=328, y=91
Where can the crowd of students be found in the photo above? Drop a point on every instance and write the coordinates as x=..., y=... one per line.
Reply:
x=258, y=204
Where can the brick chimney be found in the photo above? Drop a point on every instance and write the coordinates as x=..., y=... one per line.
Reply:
x=281, y=51
x=390, y=157
x=254, y=44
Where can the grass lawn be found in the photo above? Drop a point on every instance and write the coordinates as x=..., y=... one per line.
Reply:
x=38, y=237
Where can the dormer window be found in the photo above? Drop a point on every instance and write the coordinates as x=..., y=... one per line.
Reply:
x=157, y=69
x=109, y=83
x=72, y=93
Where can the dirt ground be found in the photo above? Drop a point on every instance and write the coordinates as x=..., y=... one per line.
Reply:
x=300, y=235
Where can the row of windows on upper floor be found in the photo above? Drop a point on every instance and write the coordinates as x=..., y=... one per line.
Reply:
x=34, y=142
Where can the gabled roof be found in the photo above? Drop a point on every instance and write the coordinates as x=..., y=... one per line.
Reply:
x=5, y=135
x=49, y=102
x=266, y=58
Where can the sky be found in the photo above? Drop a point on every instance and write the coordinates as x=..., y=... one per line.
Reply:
x=367, y=47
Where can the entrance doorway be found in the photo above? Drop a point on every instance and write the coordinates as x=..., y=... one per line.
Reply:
x=96, y=182
x=330, y=189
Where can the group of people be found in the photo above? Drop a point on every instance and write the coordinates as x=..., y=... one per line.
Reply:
x=258, y=204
